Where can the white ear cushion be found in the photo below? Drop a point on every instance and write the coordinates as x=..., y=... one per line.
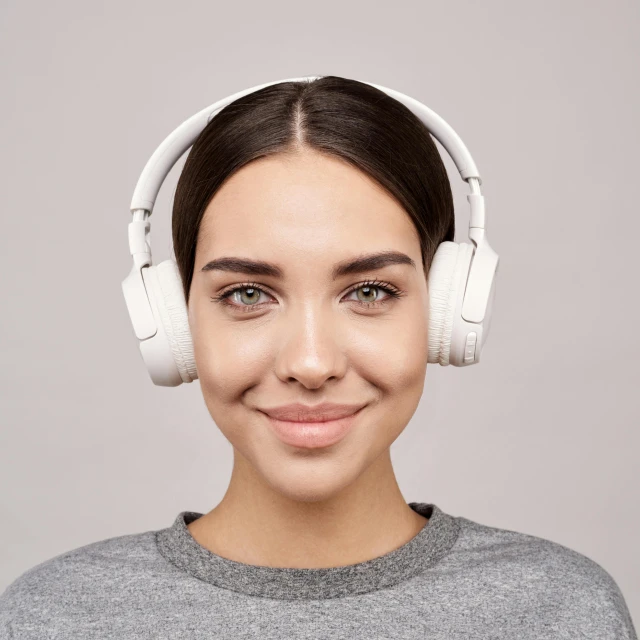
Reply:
x=443, y=293
x=173, y=310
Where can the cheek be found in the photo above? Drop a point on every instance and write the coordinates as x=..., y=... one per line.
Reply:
x=223, y=369
x=233, y=356
x=226, y=369
x=389, y=356
x=230, y=358
x=393, y=355
x=396, y=365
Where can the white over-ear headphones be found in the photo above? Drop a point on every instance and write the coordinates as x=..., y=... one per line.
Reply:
x=461, y=279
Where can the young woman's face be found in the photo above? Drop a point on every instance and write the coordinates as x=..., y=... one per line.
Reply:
x=305, y=336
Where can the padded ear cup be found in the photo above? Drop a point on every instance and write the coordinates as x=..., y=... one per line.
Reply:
x=173, y=310
x=446, y=283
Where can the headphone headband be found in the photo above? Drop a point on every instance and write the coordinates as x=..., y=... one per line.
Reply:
x=183, y=137
x=461, y=277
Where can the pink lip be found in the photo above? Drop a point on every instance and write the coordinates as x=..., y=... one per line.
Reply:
x=313, y=434
x=318, y=413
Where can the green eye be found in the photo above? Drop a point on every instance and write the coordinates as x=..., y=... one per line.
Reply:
x=254, y=292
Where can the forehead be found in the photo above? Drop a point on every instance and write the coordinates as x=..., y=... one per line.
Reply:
x=308, y=205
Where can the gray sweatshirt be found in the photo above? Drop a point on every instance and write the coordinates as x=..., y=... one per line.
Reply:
x=455, y=579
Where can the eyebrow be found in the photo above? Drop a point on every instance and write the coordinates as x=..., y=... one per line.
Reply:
x=367, y=262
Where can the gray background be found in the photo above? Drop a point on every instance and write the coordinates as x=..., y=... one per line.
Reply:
x=540, y=437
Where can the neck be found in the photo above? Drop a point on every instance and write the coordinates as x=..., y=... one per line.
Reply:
x=255, y=524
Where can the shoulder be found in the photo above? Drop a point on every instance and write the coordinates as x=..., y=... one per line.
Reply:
x=61, y=585
x=575, y=590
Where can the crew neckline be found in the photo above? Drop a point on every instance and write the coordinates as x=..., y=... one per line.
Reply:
x=432, y=542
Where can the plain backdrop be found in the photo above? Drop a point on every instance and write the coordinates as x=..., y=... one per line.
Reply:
x=540, y=437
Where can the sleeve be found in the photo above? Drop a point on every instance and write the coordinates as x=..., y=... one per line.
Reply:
x=602, y=613
x=615, y=604
x=18, y=606
x=6, y=632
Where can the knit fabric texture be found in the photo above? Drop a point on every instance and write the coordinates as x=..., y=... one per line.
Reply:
x=455, y=579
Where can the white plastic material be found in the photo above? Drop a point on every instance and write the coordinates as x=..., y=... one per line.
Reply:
x=183, y=137
x=461, y=278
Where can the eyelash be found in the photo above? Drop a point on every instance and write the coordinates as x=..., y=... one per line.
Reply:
x=385, y=286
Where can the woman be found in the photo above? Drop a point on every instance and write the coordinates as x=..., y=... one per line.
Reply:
x=305, y=222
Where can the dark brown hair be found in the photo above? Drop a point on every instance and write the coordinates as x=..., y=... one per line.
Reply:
x=336, y=116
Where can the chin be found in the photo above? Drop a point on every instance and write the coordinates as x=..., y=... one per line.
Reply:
x=313, y=475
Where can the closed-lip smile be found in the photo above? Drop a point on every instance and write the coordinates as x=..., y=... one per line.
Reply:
x=317, y=413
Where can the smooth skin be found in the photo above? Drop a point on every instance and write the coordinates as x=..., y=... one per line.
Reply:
x=308, y=338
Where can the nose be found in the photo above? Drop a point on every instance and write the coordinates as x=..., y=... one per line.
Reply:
x=312, y=349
